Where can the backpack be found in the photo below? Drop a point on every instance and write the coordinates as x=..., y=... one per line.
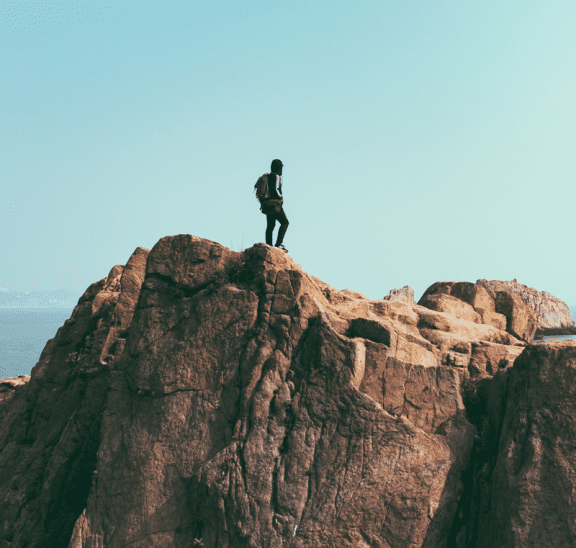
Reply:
x=261, y=188
x=267, y=205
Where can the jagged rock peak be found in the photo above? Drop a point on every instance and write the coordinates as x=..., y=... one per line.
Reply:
x=550, y=311
x=403, y=295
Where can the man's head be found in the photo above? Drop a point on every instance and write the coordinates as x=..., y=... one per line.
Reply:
x=276, y=167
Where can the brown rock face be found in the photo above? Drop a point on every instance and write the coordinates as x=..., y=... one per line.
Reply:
x=550, y=311
x=481, y=301
x=488, y=358
x=475, y=295
x=524, y=475
x=520, y=319
x=494, y=319
x=452, y=305
x=473, y=302
x=443, y=288
x=236, y=416
x=202, y=397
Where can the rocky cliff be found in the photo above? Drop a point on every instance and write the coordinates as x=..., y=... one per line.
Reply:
x=551, y=312
x=203, y=397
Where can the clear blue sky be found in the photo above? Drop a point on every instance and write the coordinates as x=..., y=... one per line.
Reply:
x=423, y=141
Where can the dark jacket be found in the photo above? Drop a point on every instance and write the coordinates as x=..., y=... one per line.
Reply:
x=274, y=187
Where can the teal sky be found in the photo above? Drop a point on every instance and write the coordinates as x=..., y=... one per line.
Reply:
x=423, y=141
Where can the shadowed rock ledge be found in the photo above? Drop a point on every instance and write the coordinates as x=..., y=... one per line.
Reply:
x=203, y=397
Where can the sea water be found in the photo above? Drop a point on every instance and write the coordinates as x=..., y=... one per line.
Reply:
x=23, y=334
x=556, y=338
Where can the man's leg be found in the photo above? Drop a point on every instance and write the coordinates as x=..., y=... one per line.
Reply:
x=270, y=223
x=281, y=216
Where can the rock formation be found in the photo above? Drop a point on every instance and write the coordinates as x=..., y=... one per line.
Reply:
x=202, y=397
x=522, y=479
x=501, y=309
x=404, y=295
x=551, y=312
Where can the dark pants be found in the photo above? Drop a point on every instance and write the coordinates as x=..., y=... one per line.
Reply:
x=271, y=219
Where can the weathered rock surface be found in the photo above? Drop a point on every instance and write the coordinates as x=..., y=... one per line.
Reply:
x=442, y=288
x=501, y=310
x=487, y=358
x=523, y=478
x=452, y=305
x=236, y=416
x=454, y=337
x=475, y=295
x=520, y=319
x=203, y=397
x=403, y=295
x=550, y=311
x=481, y=301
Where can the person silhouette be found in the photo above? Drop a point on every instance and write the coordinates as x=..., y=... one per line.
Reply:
x=272, y=206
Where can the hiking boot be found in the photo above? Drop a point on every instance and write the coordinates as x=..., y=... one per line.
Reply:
x=281, y=246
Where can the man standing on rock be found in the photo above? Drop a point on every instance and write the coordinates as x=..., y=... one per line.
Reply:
x=269, y=192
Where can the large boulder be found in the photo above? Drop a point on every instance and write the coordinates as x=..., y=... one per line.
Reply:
x=475, y=295
x=452, y=305
x=472, y=331
x=503, y=313
x=551, y=312
x=453, y=336
x=482, y=302
x=493, y=318
x=520, y=319
x=443, y=288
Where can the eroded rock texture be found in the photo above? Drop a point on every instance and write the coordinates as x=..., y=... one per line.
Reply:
x=203, y=397
x=550, y=311
x=503, y=310
x=403, y=295
x=523, y=475
x=237, y=415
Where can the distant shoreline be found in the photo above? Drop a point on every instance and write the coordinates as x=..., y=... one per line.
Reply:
x=549, y=331
x=70, y=307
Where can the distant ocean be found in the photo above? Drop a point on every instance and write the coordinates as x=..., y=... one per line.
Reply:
x=25, y=331
x=557, y=337
x=23, y=334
